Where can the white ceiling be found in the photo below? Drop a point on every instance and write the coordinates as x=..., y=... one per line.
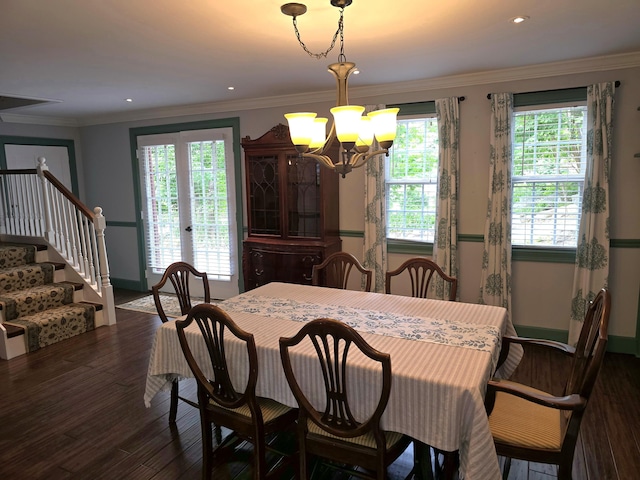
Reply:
x=88, y=56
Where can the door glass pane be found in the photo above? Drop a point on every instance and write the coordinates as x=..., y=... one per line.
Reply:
x=162, y=218
x=210, y=208
x=304, y=197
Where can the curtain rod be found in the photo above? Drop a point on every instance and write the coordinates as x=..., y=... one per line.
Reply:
x=617, y=84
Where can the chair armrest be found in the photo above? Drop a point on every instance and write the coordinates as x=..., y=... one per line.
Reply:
x=572, y=402
x=507, y=340
x=562, y=347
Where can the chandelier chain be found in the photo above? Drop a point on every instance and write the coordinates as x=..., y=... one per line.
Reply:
x=333, y=42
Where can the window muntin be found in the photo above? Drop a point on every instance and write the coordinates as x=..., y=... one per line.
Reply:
x=411, y=180
x=549, y=159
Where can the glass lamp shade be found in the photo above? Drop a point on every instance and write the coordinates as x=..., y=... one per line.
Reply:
x=318, y=133
x=300, y=127
x=384, y=124
x=365, y=136
x=347, y=122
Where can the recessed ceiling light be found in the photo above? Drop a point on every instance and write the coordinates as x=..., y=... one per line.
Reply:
x=519, y=19
x=231, y=88
x=128, y=100
x=356, y=72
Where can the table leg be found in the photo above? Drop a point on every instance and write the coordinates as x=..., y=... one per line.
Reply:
x=450, y=465
x=422, y=468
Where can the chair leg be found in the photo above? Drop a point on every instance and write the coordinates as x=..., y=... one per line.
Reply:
x=173, y=408
x=259, y=463
x=207, y=449
x=304, y=473
x=450, y=465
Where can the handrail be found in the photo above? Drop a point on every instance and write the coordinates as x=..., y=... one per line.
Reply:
x=56, y=183
x=69, y=195
x=23, y=171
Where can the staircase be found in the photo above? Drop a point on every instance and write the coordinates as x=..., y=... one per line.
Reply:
x=37, y=309
x=54, y=275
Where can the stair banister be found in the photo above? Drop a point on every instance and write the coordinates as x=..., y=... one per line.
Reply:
x=100, y=223
x=34, y=203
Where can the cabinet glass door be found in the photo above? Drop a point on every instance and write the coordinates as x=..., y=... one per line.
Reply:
x=264, y=193
x=303, y=187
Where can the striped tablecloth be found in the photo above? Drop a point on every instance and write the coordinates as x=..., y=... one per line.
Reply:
x=439, y=379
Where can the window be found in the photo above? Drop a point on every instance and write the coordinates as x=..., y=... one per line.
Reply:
x=411, y=180
x=549, y=159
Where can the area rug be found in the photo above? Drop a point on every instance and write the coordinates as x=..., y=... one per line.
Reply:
x=147, y=305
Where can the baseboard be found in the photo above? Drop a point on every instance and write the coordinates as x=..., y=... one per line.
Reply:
x=126, y=284
x=616, y=344
x=545, y=333
x=619, y=344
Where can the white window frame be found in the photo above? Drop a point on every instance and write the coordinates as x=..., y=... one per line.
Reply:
x=554, y=215
x=423, y=235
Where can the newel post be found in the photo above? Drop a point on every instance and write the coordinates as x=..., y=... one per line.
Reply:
x=48, y=224
x=100, y=223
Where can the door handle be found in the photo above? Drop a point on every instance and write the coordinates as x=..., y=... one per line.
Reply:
x=188, y=229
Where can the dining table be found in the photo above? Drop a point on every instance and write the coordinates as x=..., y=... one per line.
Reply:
x=442, y=354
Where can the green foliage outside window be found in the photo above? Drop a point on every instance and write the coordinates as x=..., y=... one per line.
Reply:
x=549, y=156
x=412, y=174
x=208, y=197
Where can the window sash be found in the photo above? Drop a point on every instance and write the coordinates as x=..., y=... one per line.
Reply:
x=411, y=180
x=547, y=203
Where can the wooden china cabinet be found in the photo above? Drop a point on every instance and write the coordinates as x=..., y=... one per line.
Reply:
x=292, y=209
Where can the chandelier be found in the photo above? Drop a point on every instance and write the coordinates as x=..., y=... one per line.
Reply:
x=354, y=131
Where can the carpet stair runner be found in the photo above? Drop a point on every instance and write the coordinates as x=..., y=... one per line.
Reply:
x=34, y=305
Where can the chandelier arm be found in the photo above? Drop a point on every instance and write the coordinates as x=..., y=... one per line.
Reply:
x=324, y=54
x=359, y=159
x=323, y=160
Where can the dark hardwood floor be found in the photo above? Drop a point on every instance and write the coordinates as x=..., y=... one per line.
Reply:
x=75, y=410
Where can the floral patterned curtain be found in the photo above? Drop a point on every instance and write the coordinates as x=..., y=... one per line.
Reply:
x=592, y=255
x=375, y=213
x=445, y=245
x=495, y=286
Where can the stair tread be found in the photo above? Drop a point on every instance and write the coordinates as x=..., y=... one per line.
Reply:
x=25, y=292
x=98, y=306
x=13, y=330
x=76, y=285
x=67, y=307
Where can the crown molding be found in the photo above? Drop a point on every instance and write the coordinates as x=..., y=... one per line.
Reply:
x=569, y=67
x=39, y=120
x=542, y=70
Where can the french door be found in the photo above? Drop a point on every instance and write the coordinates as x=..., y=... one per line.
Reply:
x=189, y=205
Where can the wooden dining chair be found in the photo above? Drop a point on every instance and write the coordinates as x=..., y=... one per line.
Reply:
x=250, y=417
x=180, y=274
x=327, y=427
x=334, y=272
x=533, y=425
x=421, y=271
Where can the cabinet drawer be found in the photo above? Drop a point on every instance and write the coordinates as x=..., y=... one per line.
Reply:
x=298, y=266
x=268, y=263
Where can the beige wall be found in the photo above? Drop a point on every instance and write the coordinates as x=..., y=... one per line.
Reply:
x=541, y=291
